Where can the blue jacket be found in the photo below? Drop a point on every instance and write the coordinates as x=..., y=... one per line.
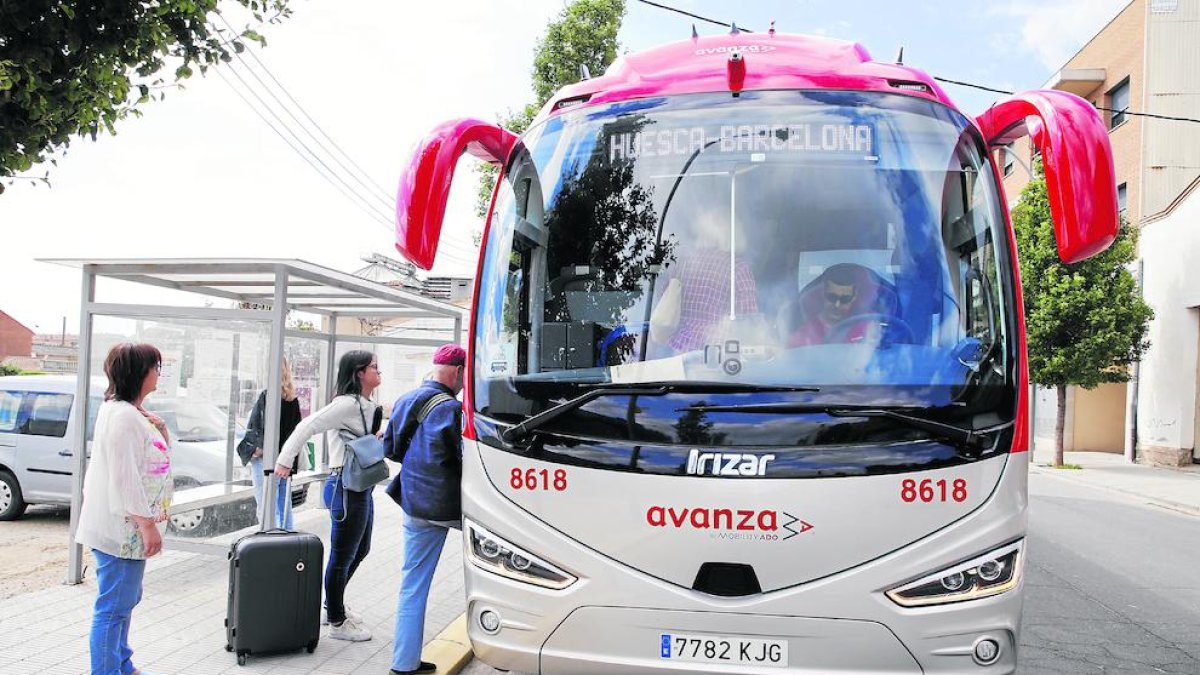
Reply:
x=430, y=454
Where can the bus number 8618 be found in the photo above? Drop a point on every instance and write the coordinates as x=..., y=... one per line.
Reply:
x=538, y=479
x=930, y=490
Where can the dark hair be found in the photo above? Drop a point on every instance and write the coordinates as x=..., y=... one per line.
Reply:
x=127, y=366
x=350, y=365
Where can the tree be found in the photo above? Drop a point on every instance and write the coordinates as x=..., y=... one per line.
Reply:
x=77, y=67
x=583, y=34
x=1086, y=323
x=6, y=369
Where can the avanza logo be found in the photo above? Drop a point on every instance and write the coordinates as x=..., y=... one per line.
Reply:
x=763, y=521
x=745, y=49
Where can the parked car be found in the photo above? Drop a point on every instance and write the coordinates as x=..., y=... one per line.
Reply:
x=37, y=432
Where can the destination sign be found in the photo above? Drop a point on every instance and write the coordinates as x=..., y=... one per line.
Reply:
x=856, y=139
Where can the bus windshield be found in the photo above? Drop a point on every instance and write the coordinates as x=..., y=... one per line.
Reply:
x=847, y=243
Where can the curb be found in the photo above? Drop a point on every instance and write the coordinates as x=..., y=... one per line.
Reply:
x=450, y=650
x=1186, y=509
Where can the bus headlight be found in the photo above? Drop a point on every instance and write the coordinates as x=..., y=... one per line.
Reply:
x=489, y=552
x=990, y=574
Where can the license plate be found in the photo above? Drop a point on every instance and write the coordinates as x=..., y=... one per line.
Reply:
x=724, y=649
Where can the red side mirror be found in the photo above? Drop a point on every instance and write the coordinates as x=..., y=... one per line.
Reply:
x=425, y=183
x=1077, y=159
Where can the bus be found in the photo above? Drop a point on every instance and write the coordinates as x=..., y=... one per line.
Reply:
x=747, y=384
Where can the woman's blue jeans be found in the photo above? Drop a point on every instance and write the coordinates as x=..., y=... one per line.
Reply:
x=283, y=504
x=119, y=583
x=352, y=515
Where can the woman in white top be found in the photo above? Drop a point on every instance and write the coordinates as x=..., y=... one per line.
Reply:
x=352, y=512
x=126, y=495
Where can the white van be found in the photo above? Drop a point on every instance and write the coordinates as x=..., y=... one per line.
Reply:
x=37, y=434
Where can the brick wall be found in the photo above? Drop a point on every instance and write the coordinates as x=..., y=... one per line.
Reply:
x=15, y=338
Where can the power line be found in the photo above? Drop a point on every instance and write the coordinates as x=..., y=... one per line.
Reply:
x=370, y=212
x=1111, y=110
x=386, y=199
x=960, y=83
x=452, y=250
x=694, y=16
x=326, y=172
x=355, y=196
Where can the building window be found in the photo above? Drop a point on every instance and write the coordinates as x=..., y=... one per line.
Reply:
x=1006, y=153
x=1121, y=197
x=1118, y=102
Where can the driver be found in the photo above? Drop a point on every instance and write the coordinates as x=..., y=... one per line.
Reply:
x=842, y=292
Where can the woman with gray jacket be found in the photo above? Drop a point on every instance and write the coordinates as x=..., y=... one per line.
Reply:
x=351, y=512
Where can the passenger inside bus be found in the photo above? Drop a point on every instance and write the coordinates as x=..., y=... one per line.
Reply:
x=696, y=285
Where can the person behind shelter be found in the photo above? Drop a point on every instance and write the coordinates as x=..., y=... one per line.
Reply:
x=126, y=496
x=842, y=291
x=289, y=417
x=430, y=451
x=352, y=513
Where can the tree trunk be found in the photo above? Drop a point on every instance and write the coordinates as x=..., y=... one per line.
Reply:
x=1059, y=424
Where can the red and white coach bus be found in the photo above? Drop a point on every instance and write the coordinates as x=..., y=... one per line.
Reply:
x=747, y=387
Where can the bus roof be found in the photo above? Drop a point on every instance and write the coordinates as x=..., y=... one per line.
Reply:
x=772, y=61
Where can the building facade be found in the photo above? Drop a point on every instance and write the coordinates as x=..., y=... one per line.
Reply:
x=1145, y=61
x=16, y=340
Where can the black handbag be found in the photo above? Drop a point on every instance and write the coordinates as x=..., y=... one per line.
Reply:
x=253, y=439
x=249, y=443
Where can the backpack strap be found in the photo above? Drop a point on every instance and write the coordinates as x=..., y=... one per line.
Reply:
x=396, y=453
x=433, y=402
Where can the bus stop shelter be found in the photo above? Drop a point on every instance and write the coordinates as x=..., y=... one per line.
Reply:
x=248, y=292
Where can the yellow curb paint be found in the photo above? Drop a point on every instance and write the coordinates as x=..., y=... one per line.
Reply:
x=450, y=650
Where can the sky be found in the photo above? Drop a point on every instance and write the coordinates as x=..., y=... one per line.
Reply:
x=201, y=175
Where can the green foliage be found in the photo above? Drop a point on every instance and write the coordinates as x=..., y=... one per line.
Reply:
x=77, y=67
x=6, y=369
x=1086, y=322
x=584, y=33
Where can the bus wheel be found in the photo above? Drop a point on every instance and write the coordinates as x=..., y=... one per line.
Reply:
x=12, y=505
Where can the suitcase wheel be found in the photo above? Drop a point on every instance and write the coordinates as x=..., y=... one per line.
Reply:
x=241, y=659
x=228, y=648
x=312, y=647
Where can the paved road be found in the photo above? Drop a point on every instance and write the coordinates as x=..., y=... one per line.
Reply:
x=1113, y=585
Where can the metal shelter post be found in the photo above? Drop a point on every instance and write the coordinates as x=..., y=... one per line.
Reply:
x=271, y=440
x=79, y=444
x=330, y=376
x=458, y=330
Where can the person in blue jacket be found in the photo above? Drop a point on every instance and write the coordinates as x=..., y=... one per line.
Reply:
x=425, y=436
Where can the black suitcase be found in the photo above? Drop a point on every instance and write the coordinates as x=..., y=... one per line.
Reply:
x=274, y=593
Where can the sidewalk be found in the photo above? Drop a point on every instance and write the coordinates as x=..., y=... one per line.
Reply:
x=1172, y=488
x=178, y=628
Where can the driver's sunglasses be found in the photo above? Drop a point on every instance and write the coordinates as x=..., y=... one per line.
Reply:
x=839, y=298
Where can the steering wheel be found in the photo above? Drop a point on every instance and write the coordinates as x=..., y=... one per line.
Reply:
x=892, y=325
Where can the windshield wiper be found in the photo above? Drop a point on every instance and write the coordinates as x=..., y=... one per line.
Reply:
x=596, y=391
x=969, y=440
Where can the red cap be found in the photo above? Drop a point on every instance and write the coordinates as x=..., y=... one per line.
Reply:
x=450, y=355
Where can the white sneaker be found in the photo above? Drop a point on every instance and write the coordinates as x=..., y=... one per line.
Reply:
x=350, y=630
x=350, y=614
